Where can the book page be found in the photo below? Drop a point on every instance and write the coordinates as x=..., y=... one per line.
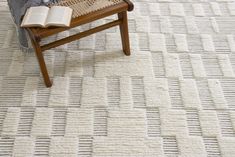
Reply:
x=35, y=16
x=59, y=16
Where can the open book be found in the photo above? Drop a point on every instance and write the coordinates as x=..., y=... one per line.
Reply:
x=42, y=16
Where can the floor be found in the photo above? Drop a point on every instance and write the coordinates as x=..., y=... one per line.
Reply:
x=174, y=96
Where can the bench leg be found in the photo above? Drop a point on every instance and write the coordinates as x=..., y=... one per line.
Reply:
x=41, y=62
x=124, y=33
x=43, y=68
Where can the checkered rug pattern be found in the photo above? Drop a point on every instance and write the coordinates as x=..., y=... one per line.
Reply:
x=174, y=96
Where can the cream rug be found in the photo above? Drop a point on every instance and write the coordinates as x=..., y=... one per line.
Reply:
x=174, y=96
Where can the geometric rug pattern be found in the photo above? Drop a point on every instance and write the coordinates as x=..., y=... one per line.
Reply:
x=174, y=96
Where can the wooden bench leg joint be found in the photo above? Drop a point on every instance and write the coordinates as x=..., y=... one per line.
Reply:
x=130, y=5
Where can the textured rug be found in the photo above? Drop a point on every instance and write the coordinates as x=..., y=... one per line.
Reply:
x=174, y=96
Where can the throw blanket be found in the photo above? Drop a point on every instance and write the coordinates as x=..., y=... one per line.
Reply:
x=18, y=9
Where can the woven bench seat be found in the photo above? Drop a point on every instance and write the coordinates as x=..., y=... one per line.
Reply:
x=82, y=17
x=84, y=11
x=83, y=7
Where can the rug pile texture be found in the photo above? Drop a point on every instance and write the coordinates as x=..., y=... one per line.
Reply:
x=174, y=96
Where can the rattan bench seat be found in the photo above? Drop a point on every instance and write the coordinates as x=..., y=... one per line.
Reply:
x=83, y=7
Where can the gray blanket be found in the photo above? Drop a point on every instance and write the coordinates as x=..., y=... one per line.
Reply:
x=18, y=9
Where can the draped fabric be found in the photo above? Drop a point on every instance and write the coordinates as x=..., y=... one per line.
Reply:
x=18, y=9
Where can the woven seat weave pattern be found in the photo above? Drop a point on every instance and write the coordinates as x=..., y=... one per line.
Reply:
x=83, y=7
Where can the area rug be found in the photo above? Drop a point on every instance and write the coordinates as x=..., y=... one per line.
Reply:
x=174, y=96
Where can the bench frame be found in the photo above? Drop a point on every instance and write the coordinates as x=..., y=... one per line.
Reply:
x=36, y=34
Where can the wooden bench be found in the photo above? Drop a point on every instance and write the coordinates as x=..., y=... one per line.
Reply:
x=119, y=7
